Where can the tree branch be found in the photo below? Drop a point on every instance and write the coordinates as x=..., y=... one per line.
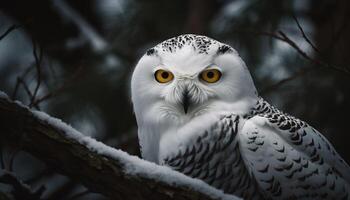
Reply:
x=304, y=35
x=297, y=74
x=100, y=168
x=38, y=60
x=20, y=80
x=53, y=93
x=9, y=30
x=280, y=35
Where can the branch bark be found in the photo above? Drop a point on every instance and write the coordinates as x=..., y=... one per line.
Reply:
x=98, y=172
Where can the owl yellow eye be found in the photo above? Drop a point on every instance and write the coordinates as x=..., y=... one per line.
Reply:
x=210, y=75
x=163, y=76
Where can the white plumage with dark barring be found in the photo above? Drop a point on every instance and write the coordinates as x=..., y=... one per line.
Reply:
x=198, y=112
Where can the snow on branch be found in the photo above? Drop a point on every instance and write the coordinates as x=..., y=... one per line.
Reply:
x=100, y=168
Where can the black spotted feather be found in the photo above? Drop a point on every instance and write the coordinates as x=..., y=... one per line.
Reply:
x=265, y=154
x=214, y=157
x=289, y=159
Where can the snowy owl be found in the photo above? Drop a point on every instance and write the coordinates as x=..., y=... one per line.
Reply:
x=198, y=112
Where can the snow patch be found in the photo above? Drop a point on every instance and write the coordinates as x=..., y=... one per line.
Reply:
x=134, y=165
x=3, y=95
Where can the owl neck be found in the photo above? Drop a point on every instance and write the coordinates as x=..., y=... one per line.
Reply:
x=152, y=129
x=150, y=133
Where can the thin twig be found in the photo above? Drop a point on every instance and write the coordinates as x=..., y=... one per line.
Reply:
x=18, y=83
x=9, y=30
x=25, y=86
x=291, y=43
x=283, y=37
x=283, y=81
x=280, y=35
x=38, y=60
x=304, y=35
x=58, y=90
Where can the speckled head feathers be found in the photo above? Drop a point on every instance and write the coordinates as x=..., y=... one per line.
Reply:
x=200, y=44
x=161, y=108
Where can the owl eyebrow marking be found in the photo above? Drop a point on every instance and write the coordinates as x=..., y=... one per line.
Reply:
x=151, y=52
x=224, y=49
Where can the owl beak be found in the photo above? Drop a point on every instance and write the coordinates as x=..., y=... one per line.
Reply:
x=186, y=101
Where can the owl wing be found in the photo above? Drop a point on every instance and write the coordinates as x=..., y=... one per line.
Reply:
x=214, y=157
x=291, y=160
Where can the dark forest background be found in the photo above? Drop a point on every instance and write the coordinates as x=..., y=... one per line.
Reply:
x=73, y=60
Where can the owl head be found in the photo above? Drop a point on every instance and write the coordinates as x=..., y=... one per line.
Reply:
x=185, y=77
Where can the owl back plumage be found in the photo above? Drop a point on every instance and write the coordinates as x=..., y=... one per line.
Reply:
x=265, y=154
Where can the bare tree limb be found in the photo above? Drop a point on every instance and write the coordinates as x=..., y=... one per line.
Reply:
x=53, y=93
x=280, y=35
x=34, y=99
x=283, y=37
x=25, y=86
x=98, y=43
x=283, y=81
x=9, y=30
x=20, y=81
x=38, y=56
x=304, y=35
x=99, y=172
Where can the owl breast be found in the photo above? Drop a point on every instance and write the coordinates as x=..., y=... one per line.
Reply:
x=214, y=157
